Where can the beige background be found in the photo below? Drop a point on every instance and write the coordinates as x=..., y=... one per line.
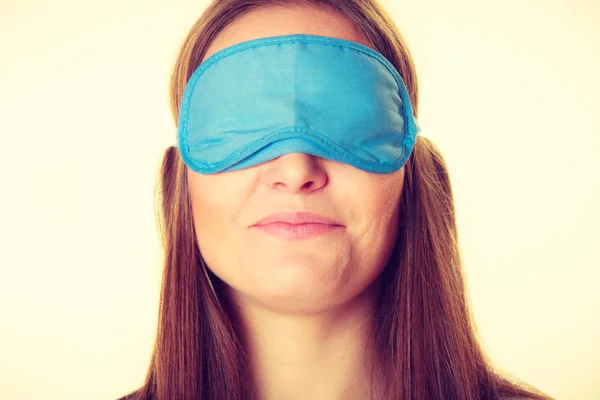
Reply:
x=509, y=91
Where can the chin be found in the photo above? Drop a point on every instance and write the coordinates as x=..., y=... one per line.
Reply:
x=297, y=302
x=301, y=296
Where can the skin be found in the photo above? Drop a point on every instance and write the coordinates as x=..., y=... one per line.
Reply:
x=305, y=305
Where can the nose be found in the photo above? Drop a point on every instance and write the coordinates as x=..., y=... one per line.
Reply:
x=295, y=173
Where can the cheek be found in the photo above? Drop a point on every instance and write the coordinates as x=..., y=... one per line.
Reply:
x=376, y=197
x=389, y=197
x=388, y=189
x=216, y=202
x=216, y=198
x=213, y=208
x=376, y=203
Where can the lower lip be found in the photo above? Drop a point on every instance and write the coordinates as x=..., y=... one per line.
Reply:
x=296, y=231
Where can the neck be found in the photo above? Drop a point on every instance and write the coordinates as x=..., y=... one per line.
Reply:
x=325, y=355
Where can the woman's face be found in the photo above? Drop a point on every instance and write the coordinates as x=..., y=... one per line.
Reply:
x=295, y=268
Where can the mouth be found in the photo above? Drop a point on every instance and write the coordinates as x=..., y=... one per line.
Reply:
x=297, y=225
x=297, y=218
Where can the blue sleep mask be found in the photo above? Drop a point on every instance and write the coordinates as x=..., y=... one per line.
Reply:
x=264, y=98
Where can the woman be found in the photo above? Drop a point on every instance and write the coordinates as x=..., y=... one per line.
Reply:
x=310, y=240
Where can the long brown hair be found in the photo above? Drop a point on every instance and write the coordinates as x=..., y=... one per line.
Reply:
x=425, y=336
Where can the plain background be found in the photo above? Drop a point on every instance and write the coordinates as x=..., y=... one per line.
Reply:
x=509, y=92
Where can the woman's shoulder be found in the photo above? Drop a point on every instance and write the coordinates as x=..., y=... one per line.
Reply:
x=132, y=396
x=515, y=398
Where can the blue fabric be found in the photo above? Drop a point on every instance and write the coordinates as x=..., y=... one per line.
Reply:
x=258, y=100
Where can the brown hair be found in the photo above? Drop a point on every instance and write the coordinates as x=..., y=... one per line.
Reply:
x=424, y=335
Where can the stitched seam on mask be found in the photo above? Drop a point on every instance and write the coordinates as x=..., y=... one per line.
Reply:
x=315, y=134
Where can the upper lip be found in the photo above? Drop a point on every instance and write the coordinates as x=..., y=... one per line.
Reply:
x=296, y=218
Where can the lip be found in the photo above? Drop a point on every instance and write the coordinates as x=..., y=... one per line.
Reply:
x=296, y=225
x=296, y=218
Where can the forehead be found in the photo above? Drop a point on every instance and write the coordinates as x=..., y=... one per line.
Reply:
x=285, y=20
